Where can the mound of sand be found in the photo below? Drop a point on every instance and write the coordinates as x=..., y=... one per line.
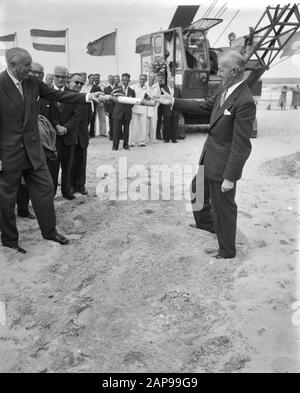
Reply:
x=287, y=166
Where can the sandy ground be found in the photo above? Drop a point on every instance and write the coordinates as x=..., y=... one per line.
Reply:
x=135, y=292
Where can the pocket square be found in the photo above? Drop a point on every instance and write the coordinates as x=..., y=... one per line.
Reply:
x=227, y=113
x=38, y=97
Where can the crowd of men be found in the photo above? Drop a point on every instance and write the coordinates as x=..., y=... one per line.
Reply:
x=44, y=129
x=67, y=128
x=142, y=124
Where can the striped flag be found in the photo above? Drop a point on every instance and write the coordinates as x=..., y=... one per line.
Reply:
x=7, y=42
x=49, y=40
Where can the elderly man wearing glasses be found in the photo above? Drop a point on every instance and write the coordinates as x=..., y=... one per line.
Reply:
x=65, y=119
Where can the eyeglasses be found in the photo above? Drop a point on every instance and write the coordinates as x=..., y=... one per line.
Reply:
x=79, y=83
x=60, y=76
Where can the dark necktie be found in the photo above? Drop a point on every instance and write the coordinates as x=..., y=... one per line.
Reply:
x=223, y=97
x=19, y=87
x=59, y=105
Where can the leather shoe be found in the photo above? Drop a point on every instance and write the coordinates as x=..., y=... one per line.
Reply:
x=27, y=215
x=82, y=191
x=16, y=247
x=211, y=248
x=115, y=148
x=126, y=147
x=219, y=256
x=69, y=196
x=208, y=229
x=58, y=239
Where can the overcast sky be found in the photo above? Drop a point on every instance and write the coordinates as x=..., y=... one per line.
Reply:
x=88, y=20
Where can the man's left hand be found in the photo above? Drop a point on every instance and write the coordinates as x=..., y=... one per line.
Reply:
x=97, y=96
x=227, y=185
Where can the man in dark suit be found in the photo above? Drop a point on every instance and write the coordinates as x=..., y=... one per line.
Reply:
x=21, y=152
x=225, y=151
x=109, y=105
x=37, y=70
x=171, y=117
x=80, y=155
x=65, y=119
x=122, y=114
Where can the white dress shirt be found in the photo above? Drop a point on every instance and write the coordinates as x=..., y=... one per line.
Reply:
x=17, y=83
x=231, y=89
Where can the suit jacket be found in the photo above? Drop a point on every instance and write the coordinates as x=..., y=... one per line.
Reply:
x=19, y=120
x=167, y=112
x=83, y=128
x=123, y=111
x=228, y=145
x=67, y=115
x=44, y=107
x=95, y=88
x=108, y=105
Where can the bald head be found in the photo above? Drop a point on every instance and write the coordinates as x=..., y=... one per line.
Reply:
x=60, y=70
x=15, y=55
x=231, y=67
x=234, y=58
x=18, y=62
x=37, y=70
x=60, y=76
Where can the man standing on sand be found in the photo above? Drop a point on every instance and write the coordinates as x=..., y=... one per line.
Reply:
x=225, y=151
x=122, y=114
x=21, y=152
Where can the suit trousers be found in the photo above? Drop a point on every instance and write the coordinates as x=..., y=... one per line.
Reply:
x=118, y=125
x=170, y=128
x=92, y=123
x=151, y=126
x=138, y=129
x=218, y=214
x=159, y=121
x=110, y=126
x=23, y=200
x=40, y=188
x=65, y=157
x=79, y=168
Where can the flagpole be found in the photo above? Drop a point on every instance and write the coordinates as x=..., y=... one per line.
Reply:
x=68, y=50
x=117, y=52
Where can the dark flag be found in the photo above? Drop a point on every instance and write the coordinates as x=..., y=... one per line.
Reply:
x=104, y=46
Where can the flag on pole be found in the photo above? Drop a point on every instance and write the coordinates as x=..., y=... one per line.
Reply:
x=49, y=40
x=7, y=42
x=103, y=46
x=292, y=47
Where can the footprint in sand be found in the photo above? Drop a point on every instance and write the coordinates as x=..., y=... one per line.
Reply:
x=132, y=358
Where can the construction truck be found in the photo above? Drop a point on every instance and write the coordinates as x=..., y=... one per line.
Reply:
x=184, y=52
